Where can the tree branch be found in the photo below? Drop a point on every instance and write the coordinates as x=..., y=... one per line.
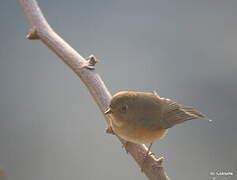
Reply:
x=40, y=29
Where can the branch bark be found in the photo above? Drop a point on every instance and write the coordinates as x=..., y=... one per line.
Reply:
x=40, y=29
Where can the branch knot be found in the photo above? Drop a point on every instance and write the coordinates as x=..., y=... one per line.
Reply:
x=32, y=35
x=91, y=61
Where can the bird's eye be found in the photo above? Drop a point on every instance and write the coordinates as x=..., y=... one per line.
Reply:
x=124, y=109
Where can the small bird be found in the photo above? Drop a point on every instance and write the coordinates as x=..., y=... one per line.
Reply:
x=144, y=117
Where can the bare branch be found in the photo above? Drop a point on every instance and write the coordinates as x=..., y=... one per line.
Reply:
x=40, y=29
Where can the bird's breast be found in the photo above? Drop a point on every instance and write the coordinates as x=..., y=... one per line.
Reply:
x=130, y=132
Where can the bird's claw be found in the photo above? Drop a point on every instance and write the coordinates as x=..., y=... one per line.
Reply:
x=146, y=156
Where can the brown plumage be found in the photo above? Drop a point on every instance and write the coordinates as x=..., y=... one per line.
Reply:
x=141, y=117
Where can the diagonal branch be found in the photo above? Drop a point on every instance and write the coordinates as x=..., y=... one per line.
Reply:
x=40, y=29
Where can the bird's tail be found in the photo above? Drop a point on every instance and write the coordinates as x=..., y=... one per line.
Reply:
x=177, y=113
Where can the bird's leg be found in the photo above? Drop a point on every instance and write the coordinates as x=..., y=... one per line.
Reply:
x=148, y=151
x=146, y=155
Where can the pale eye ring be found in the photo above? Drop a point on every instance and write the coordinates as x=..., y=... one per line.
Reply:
x=124, y=108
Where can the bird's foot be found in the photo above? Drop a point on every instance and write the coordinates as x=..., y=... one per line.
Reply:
x=148, y=153
x=144, y=160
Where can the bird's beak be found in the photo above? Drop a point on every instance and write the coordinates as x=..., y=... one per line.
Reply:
x=108, y=111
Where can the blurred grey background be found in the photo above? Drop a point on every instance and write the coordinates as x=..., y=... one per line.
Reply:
x=50, y=128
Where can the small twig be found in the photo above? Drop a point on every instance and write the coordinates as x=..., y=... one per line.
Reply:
x=32, y=34
x=41, y=30
x=92, y=60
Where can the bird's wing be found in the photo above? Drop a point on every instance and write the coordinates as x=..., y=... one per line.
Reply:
x=162, y=113
x=174, y=113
